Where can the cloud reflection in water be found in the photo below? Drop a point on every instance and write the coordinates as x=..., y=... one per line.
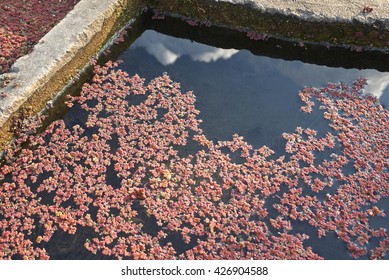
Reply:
x=167, y=50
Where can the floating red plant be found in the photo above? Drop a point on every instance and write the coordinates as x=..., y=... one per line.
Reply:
x=24, y=23
x=367, y=10
x=125, y=163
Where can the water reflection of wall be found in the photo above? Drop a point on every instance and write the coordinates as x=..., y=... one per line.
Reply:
x=168, y=49
x=237, y=92
x=253, y=96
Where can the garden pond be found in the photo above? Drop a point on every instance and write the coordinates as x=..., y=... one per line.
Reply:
x=196, y=142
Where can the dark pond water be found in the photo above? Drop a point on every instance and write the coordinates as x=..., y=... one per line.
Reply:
x=238, y=92
x=255, y=96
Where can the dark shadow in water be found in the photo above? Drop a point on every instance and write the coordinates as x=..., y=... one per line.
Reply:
x=225, y=38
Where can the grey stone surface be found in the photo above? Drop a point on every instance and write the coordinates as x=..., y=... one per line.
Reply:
x=326, y=10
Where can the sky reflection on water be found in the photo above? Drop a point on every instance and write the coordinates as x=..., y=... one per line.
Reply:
x=167, y=50
x=254, y=96
x=238, y=92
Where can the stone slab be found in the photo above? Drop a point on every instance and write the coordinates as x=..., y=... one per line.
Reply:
x=56, y=49
x=324, y=10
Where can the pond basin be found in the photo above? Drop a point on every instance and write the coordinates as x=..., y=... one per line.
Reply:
x=255, y=96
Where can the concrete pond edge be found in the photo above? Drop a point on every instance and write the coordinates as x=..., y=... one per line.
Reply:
x=363, y=11
x=37, y=77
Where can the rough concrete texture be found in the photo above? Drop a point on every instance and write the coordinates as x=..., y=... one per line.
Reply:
x=325, y=10
x=53, y=52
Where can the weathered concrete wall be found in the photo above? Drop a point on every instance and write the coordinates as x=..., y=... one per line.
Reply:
x=297, y=20
x=67, y=48
x=325, y=10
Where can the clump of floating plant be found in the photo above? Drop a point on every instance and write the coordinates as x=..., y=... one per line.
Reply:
x=142, y=176
x=10, y=48
x=360, y=171
x=24, y=23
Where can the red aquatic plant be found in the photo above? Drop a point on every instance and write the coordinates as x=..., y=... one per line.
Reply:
x=367, y=10
x=126, y=175
x=24, y=23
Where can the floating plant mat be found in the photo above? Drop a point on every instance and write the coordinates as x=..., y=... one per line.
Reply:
x=227, y=156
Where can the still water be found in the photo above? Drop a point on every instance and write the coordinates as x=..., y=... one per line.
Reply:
x=236, y=92
x=251, y=95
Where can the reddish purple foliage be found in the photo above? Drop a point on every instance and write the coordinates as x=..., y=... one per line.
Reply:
x=367, y=10
x=24, y=23
x=256, y=36
x=12, y=46
x=158, y=15
x=214, y=204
